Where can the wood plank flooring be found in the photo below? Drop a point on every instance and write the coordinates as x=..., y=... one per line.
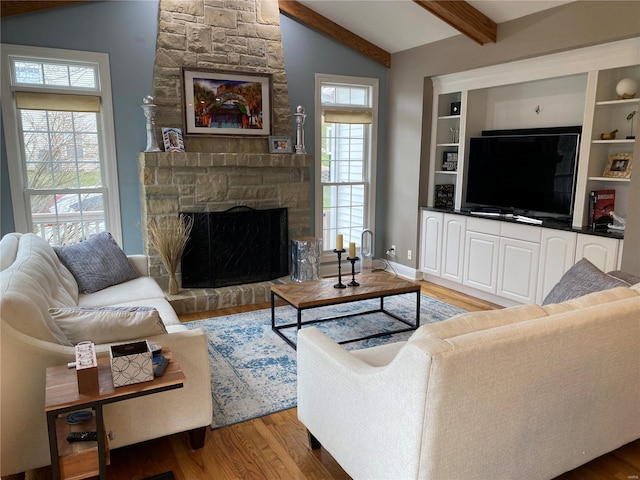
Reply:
x=275, y=446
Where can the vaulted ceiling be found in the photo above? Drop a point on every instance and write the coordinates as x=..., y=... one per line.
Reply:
x=378, y=28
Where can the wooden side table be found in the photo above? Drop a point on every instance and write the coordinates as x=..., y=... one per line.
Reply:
x=83, y=459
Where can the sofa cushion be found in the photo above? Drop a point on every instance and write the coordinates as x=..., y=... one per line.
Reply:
x=97, y=263
x=136, y=290
x=107, y=324
x=583, y=278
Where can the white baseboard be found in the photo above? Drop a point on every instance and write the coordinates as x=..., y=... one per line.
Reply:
x=403, y=271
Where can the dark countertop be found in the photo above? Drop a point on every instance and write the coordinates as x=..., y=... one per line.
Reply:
x=546, y=222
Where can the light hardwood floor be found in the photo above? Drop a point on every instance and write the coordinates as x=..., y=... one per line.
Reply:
x=275, y=446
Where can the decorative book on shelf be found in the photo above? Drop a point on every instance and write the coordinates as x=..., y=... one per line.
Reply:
x=444, y=196
x=601, y=204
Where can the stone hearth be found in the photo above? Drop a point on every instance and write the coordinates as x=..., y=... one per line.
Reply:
x=203, y=299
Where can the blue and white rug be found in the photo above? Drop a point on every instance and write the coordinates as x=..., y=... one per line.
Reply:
x=253, y=371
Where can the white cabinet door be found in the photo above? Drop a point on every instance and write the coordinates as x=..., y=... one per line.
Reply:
x=601, y=251
x=518, y=269
x=481, y=261
x=453, y=231
x=431, y=242
x=557, y=254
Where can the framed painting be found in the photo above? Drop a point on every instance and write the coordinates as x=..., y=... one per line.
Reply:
x=226, y=103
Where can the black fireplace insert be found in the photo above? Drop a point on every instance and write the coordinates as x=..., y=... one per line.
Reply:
x=240, y=245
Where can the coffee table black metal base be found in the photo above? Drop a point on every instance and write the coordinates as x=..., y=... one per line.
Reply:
x=410, y=325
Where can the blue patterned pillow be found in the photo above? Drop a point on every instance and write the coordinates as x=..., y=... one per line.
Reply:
x=97, y=263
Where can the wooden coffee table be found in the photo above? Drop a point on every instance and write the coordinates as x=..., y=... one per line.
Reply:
x=306, y=295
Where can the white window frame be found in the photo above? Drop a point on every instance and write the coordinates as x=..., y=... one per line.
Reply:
x=17, y=174
x=372, y=147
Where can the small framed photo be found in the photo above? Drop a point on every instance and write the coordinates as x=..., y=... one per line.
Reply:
x=455, y=108
x=450, y=161
x=172, y=138
x=280, y=144
x=619, y=165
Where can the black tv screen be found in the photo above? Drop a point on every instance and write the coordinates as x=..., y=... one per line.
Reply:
x=530, y=173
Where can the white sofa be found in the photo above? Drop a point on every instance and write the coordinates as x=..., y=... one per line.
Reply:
x=33, y=280
x=525, y=392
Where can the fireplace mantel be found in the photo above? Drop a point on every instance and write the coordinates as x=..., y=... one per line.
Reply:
x=207, y=159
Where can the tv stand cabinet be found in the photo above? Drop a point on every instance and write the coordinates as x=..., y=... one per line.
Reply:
x=503, y=261
x=576, y=87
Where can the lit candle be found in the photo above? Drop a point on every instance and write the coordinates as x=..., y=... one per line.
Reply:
x=339, y=242
x=352, y=250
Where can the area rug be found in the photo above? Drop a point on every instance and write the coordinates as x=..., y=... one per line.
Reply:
x=253, y=371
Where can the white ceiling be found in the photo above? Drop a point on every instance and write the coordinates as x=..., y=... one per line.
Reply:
x=396, y=25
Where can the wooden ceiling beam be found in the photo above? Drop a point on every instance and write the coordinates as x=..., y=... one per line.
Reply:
x=9, y=8
x=464, y=18
x=312, y=19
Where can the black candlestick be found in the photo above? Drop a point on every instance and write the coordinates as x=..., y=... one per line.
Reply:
x=353, y=282
x=340, y=284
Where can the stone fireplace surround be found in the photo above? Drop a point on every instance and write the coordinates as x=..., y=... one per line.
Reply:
x=220, y=172
x=202, y=182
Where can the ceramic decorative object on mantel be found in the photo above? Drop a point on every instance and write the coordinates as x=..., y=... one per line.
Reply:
x=169, y=239
x=150, y=111
x=300, y=118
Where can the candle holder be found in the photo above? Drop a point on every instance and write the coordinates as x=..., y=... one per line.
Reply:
x=353, y=282
x=340, y=284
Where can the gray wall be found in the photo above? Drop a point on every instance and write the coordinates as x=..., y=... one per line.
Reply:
x=127, y=31
x=307, y=52
x=574, y=25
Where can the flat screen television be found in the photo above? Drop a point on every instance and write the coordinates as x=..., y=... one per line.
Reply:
x=531, y=172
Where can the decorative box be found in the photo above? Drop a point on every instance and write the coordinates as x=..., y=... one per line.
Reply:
x=131, y=363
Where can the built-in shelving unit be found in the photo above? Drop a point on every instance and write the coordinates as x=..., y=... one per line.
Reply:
x=447, y=131
x=564, y=89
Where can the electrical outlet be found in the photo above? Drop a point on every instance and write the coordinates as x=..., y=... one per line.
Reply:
x=408, y=254
x=393, y=248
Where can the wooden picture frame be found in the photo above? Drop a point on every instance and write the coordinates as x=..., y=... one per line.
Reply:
x=619, y=165
x=280, y=145
x=172, y=139
x=226, y=103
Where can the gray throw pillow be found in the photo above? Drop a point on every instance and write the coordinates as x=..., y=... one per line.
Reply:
x=97, y=263
x=583, y=278
x=625, y=277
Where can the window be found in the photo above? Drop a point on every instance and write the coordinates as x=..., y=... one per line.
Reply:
x=60, y=143
x=345, y=172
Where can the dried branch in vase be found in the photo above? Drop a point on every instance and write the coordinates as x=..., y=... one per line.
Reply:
x=169, y=237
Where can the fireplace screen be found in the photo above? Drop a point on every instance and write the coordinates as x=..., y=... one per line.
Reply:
x=240, y=245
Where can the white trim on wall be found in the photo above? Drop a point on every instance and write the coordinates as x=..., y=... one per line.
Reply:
x=106, y=125
x=598, y=57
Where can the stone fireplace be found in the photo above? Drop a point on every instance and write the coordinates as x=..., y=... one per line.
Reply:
x=219, y=172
